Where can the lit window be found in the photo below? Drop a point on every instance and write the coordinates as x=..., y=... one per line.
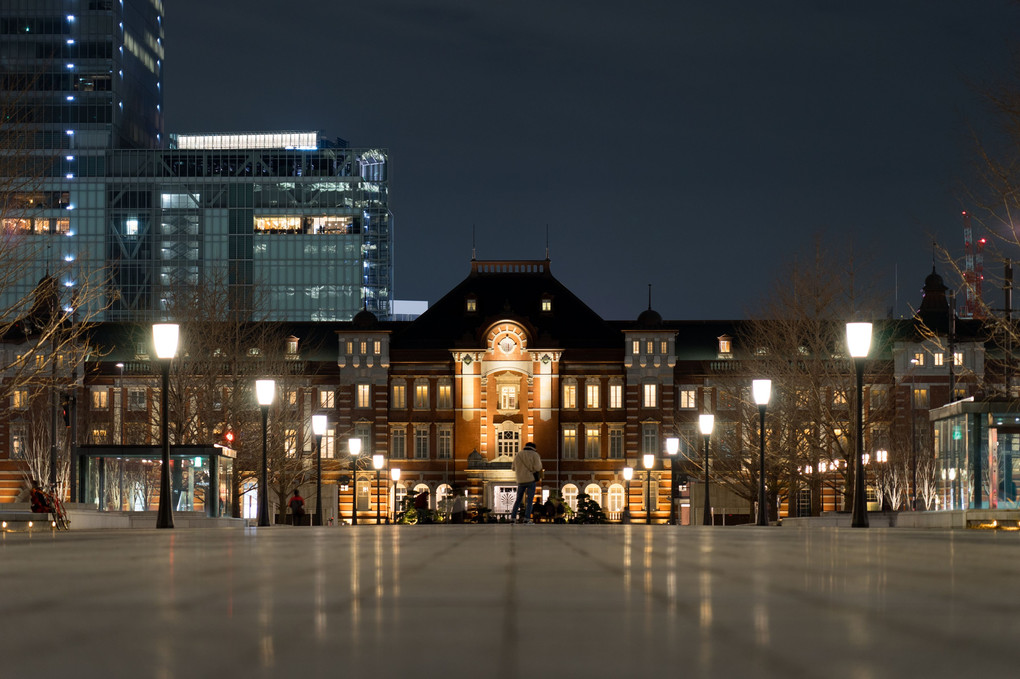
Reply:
x=649, y=395
x=957, y=358
x=507, y=397
x=546, y=304
x=615, y=395
x=570, y=496
x=364, y=396
x=350, y=347
x=421, y=395
x=290, y=442
x=635, y=347
x=663, y=347
x=508, y=440
x=615, y=501
x=570, y=443
x=329, y=445
x=100, y=398
x=921, y=397
x=649, y=348
x=377, y=347
x=725, y=344
x=326, y=398
x=19, y=399
x=399, y=396
x=591, y=394
x=364, y=347
x=938, y=359
x=445, y=396
x=131, y=227
x=689, y=398
x=471, y=306
x=592, y=442
x=569, y=395
x=918, y=359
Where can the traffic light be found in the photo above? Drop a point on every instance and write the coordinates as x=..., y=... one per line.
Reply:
x=228, y=437
x=65, y=409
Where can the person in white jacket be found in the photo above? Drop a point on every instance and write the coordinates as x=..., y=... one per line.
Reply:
x=527, y=466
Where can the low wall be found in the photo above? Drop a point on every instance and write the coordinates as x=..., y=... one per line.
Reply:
x=87, y=517
x=960, y=518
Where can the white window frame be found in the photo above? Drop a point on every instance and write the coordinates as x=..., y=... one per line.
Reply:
x=569, y=438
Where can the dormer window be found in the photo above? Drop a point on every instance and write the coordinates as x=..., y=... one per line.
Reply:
x=471, y=305
x=725, y=344
x=546, y=304
x=292, y=347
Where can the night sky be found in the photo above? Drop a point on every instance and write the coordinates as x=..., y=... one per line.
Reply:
x=692, y=146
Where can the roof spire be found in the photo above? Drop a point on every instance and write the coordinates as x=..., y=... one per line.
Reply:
x=649, y=295
x=473, y=253
x=547, y=242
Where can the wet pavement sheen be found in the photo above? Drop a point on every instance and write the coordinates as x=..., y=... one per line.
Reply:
x=510, y=601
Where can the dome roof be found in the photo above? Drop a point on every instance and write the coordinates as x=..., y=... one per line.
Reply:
x=365, y=320
x=649, y=319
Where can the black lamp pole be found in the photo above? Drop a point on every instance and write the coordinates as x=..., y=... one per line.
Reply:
x=707, y=519
x=317, y=519
x=264, y=475
x=859, y=518
x=763, y=514
x=164, y=516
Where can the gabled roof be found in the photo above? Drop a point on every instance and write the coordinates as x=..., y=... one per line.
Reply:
x=509, y=290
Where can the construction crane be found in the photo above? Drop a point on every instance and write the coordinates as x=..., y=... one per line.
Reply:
x=973, y=270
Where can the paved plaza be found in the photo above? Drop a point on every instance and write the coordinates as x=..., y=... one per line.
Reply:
x=510, y=601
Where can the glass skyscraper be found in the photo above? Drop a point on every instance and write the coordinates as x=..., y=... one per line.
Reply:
x=297, y=226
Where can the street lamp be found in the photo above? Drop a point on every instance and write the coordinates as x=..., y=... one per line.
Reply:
x=649, y=461
x=318, y=428
x=706, y=422
x=672, y=448
x=762, y=391
x=354, y=448
x=858, y=341
x=395, y=475
x=265, y=392
x=628, y=474
x=165, y=337
x=378, y=461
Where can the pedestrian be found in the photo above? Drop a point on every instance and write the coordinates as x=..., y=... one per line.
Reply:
x=297, y=508
x=527, y=466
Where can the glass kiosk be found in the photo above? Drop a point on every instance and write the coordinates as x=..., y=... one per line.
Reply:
x=126, y=478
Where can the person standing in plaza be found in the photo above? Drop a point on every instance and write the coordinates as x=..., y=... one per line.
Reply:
x=297, y=508
x=527, y=466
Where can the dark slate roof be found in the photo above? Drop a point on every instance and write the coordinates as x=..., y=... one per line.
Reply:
x=511, y=290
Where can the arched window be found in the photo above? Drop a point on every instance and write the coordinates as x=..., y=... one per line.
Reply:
x=443, y=492
x=616, y=499
x=594, y=491
x=570, y=496
x=423, y=488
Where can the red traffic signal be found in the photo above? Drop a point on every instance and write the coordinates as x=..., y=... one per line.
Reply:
x=229, y=436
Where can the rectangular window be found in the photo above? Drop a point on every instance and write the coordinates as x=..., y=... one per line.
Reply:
x=635, y=347
x=649, y=438
x=327, y=398
x=918, y=359
x=399, y=396
x=688, y=398
x=99, y=436
x=17, y=445
x=136, y=398
x=290, y=442
x=398, y=443
x=350, y=347
x=377, y=347
x=444, y=449
x=421, y=443
x=328, y=445
x=957, y=358
x=649, y=395
x=592, y=443
x=616, y=396
x=939, y=359
x=508, y=442
x=569, y=395
x=507, y=397
x=421, y=396
x=445, y=396
x=364, y=396
x=616, y=443
x=546, y=304
x=570, y=443
x=663, y=347
x=100, y=398
x=649, y=347
x=921, y=397
x=19, y=399
x=591, y=396
x=363, y=345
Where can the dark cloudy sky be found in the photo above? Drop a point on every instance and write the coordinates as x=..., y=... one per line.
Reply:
x=695, y=146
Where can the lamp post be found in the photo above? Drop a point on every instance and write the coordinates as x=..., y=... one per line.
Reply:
x=395, y=475
x=165, y=337
x=628, y=474
x=378, y=461
x=649, y=461
x=762, y=391
x=318, y=428
x=354, y=448
x=858, y=340
x=672, y=448
x=706, y=422
x=265, y=392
